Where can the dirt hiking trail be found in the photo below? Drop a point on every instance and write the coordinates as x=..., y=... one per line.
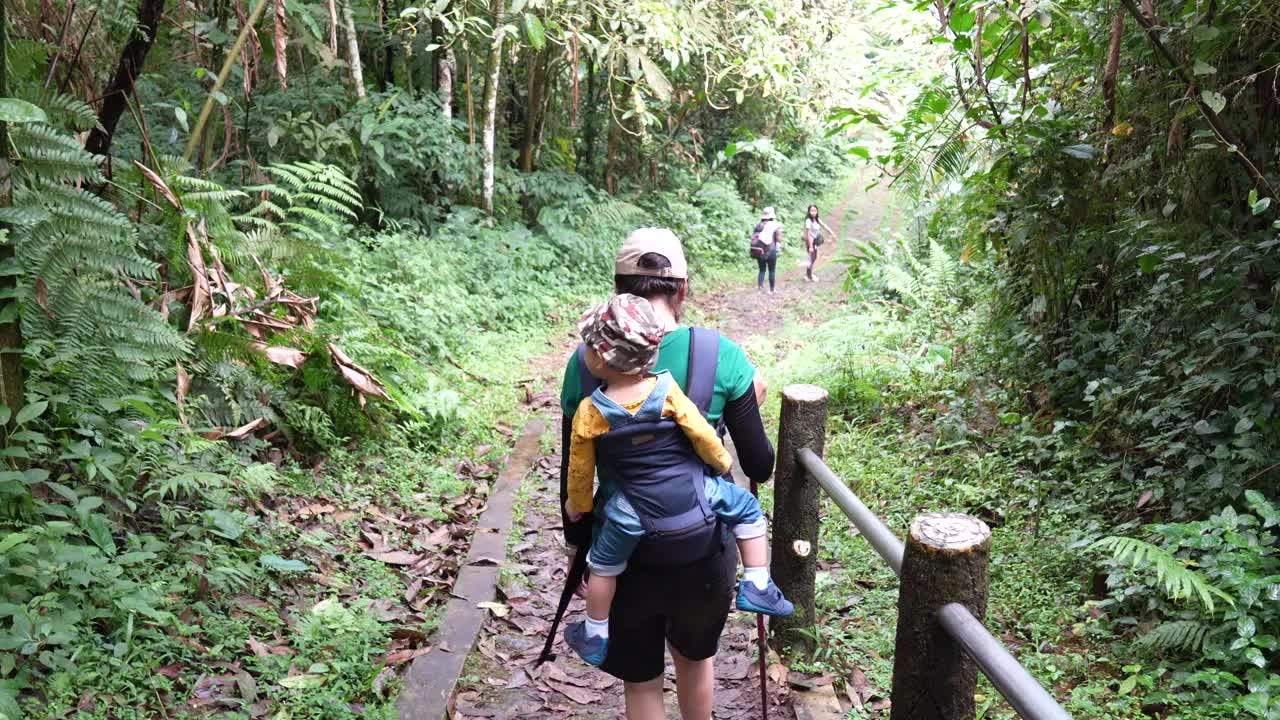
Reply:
x=500, y=680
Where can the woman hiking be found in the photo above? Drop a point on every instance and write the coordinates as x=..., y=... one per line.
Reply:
x=813, y=238
x=667, y=485
x=680, y=606
x=769, y=234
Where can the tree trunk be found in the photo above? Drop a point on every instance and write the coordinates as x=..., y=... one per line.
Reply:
x=794, y=566
x=945, y=562
x=1112, y=69
x=11, y=392
x=386, y=78
x=436, y=58
x=448, y=66
x=471, y=105
x=491, y=103
x=1026, y=63
x=353, y=48
x=611, y=158
x=115, y=98
x=534, y=108
x=573, y=75
x=333, y=26
x=590, y=127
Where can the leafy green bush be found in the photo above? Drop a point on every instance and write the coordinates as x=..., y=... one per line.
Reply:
x=1237, y=560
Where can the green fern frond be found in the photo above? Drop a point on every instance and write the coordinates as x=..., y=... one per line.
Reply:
x=68, y=112
x=46, y=154
x=195, y=184
x=1186, y=635
x=81, y=248
x=904, y=283
x=913, y=264
x=288, y=175
x=1177, y=580
x=210, y=197
x=943, y=268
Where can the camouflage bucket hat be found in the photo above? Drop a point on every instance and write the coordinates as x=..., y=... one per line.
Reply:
x=625, y=332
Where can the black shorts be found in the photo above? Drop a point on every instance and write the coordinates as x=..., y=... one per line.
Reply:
x=685, y=606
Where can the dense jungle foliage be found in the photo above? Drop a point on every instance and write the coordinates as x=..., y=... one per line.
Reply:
x=1087, y=269
x=263, y=291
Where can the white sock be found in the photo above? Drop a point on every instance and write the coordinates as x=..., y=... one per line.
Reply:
x=759, y=576
x=597, y=628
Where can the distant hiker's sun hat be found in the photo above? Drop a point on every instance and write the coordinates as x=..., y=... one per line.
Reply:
x=643, y=241
x=626, y=333
x=769, y=214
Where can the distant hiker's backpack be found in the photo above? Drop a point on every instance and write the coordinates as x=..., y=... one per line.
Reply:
x=759, y=248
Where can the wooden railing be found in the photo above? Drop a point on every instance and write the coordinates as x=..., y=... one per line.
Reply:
x=942, y=569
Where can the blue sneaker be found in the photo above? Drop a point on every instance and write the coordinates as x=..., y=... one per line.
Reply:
x=768, y=601
x=591, y=649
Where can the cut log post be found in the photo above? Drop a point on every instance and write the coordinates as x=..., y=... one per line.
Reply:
x=945, y=562
x=794, y=565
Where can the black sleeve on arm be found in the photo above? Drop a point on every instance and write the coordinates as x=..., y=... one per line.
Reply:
x=755, y=452
x=579, y=533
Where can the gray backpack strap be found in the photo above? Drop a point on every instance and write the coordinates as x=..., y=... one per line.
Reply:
x=704, y=360
x=586, y=380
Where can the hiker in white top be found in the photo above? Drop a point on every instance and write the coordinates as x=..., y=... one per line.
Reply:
x=770, y=233
x=813, y=238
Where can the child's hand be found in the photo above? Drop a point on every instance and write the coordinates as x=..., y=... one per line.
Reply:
x=573, y=515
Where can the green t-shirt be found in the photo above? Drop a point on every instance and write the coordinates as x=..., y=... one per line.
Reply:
x=734, y=373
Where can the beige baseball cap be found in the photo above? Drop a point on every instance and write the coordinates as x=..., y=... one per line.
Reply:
x=651, y=240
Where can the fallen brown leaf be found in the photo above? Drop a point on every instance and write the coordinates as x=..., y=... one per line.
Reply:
x=316, y=509
x=412, y=592
x=394, y=557
x=404, y=656
x=248, y=428
x=159, y=184
x=279, y=354
x=386, y=675
x=201, y=295
x=258, y=647
x=362, y=380
x=579, y=695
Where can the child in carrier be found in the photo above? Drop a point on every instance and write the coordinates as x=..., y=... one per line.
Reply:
x=621, y=339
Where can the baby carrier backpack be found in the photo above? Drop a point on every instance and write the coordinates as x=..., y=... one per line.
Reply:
x=654, y=465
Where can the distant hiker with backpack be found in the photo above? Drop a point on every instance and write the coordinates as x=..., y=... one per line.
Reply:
x=677, y=602
x=766, y=241
x=813, y=238
x=668, y=473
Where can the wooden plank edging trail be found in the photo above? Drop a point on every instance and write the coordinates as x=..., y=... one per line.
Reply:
x=430, y=680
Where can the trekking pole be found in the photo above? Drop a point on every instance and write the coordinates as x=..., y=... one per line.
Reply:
x=764, y=649
x=571, y=582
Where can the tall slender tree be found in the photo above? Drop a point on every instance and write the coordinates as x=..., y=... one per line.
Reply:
x=353, y=48
x=491, y=102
